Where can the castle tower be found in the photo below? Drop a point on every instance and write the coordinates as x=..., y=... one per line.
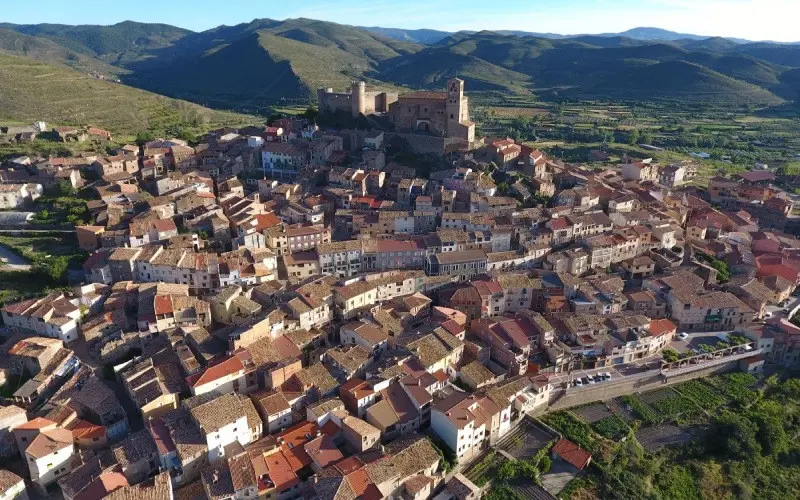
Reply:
x=455, y=99
x=358, y=98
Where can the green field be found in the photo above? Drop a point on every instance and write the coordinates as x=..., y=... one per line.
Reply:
x=31, y=90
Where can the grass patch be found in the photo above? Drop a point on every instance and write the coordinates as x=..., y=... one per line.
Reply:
x=612, y=427
x=572, y=428
x=485, y=470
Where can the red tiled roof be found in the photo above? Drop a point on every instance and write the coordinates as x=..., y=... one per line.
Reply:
x=36, y=423
x=264, y=221
x=659, y=327
x=560, y=223
x=163, y=304
x=102, y=486
x=163, y=225
x=756, y=176
x=224, y=368
x=296, y=436
x=280, y=471
x=572, y=453
x=87, y=430
x=487, y=287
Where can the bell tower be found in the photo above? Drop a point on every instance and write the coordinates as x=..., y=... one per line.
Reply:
x=455, y=99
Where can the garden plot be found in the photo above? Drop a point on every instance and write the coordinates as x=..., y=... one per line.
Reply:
x=705, y=396
x=656, y=437
x=524, y=488
x=527, y=439
x=619, y=409
x=593, y=413
x=484, y=469
x=669, y=404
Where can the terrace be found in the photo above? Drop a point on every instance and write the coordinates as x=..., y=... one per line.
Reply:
x=710, y=359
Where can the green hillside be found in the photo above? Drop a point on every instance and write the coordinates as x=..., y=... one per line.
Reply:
x=251, y=66
x=432, y=69
x=248, y=67
x=31, y=90
x=680, y=80
x=119, y=44
x=41, y=49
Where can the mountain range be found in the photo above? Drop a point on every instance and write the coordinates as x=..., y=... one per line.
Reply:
x=265, y=62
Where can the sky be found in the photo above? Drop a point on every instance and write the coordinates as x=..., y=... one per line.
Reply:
x=750, y=19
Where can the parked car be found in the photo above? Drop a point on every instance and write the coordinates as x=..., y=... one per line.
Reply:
x=578, y=382
x=683, y=335
x=606, y=376
x=767, y=315
x=590, y=379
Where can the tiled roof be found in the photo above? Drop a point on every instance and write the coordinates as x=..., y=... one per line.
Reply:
x=572, y=453
x=227, y=367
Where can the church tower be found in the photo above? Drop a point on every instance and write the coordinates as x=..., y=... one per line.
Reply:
x=455, y=99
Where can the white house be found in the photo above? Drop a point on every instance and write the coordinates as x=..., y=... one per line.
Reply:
x=49, y=456
x=17, y=195
x=12, y=487
x=464, y=421
x=53, y=316
x=223, y=420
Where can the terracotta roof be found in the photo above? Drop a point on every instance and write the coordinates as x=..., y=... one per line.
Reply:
x=222, y=369
x=323, y=451
x=48, y=442
x=83, y=429
x=424, y=95
x=572, y=453
x=102, y=486
x=36, y=423
x=659, y=327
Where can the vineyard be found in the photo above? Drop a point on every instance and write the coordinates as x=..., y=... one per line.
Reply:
x=701, y=394
x=736, y=386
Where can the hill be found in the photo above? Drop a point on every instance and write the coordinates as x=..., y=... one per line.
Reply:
x=42, y=49
x=420, y=36
x=263, y=62
x=589, y=67
x=254, y=65
x=32, y=90
x=119, y=44
x=683, y=80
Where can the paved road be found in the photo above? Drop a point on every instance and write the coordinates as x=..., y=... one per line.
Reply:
x=15, y=262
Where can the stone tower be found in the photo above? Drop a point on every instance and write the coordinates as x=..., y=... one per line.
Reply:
x=358, y=98
x=455, y=100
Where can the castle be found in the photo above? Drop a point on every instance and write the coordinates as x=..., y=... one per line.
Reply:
x=443, y=114
x=356, y=102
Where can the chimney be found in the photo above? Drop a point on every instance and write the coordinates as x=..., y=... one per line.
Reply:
x=215, y=477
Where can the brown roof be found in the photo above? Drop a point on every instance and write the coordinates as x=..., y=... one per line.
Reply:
x=8, y=480
x=572, y=453
x=226, y=367
x=439, y=96
x=48, y=442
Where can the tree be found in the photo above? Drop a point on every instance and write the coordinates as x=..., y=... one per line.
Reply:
x=311, y=114
x=734, y=436
x=633, y=137
x=64, y=189
x=771, y=431
x=670, y=355
x=52, y=270
x=545, y=463
x=143, y=138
